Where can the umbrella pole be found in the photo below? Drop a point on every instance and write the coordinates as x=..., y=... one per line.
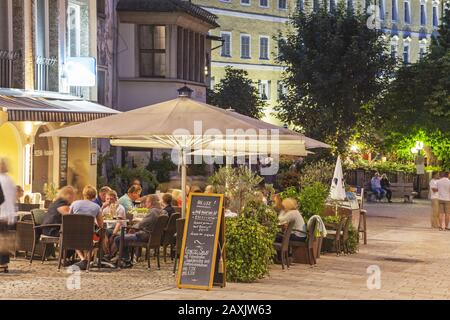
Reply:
x=183, y=183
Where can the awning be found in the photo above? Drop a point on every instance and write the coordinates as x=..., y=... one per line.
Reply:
x=23, y=105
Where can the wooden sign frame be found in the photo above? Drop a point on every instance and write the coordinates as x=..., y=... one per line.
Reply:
x=219, y=227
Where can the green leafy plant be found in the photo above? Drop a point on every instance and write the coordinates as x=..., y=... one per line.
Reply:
x=124, y=177
x=50, y=191
x=312, y=199
x=290, y=192
x=289, y=179
x=162, y=167
x=264, y=215
x=239, y=184
x=320, y=171
x=249, y=249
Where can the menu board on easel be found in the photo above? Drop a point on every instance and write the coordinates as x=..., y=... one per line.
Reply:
x=63, y=161
x=202, y=251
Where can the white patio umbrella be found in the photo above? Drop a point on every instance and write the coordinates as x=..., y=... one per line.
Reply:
x=337, y=191
x=182, y=124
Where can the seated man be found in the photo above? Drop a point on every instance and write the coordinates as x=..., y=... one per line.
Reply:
x=375, y=185
x=113, y=210
x=148, y=223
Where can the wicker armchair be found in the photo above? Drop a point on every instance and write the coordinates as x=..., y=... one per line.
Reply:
x=169, y=238
x=179, y=241
x=154, y=240
x=283, y=246
x=77, y=234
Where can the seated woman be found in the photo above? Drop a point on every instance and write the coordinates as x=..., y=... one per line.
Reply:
x=59, y=207
x=290, y=214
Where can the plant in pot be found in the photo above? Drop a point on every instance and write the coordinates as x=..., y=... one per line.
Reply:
x=50, y=192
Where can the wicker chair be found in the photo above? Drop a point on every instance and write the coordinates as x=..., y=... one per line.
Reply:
x=169, y=238
x=28, y=206
x=308, y=244
x=283, y=246
x=37, y=216
x=76, y=234
x=335, y=233
x=179, y=241
x=24, y=237
x=154, y=240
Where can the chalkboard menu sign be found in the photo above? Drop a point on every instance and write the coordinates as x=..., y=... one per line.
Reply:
x=201, y=246
x=63, y=161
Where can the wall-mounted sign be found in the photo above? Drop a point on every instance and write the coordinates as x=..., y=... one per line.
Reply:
x=203, y=244
x=81, y=71
x=63, y=161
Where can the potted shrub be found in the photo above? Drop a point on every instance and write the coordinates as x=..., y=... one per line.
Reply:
x=50, y=192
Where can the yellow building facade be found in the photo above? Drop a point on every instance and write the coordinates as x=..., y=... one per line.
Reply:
x=250, y=29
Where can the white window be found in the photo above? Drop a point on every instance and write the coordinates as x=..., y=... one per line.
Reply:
x=435, y=15
x=264, y=3
x=282, y=90
x=332, y=5
x=394, y=47
x=300, y=5
x=316, y=5
x=394, y=10
x=382, y=9
x=406, y=53
x=282, y=4
x=350, y=4
x=41, y=36
x=245, y=46
x=264, y=89
x=407, y=12
x=422, y=50
x=226, y=47
x=74, y=30
x=423, y=14
x=245, y=2
x=264, y=48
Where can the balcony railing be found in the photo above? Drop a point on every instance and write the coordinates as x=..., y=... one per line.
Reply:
x=42, y=72
x=7, y=59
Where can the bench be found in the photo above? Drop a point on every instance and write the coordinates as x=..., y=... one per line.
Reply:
x=403, y=190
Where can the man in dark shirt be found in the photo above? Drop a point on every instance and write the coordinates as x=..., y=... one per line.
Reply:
x=167, y=204
x=102, y=195
x=148, y=224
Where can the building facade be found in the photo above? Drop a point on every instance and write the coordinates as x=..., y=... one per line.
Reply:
x=43, y=46
x=251, y=30
x=149, y=49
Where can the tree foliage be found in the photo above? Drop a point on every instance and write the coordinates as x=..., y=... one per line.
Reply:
x=417, y=105
x=336, y=67
x=236, y=91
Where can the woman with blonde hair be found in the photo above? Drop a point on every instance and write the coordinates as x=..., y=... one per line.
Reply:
x=59, y=207
x=7, y=210
x=290, y=214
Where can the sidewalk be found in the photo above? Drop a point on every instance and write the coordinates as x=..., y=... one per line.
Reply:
x=413, y=260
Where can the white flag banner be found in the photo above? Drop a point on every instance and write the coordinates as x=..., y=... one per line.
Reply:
x=337, y=191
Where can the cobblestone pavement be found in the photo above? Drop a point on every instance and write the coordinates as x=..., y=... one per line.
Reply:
x=413, y=260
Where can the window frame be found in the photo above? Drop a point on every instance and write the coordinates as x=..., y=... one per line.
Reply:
x=267, y=57
x=228, y=33
x=242, y=35
x=407, y=12
x=153, y=51
x=264, y=6
x=394, y=9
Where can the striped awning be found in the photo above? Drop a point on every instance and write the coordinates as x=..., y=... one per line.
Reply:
x=49, y=107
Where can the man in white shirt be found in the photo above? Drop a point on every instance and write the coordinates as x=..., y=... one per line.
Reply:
x=444, y=200
x=434, y=197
